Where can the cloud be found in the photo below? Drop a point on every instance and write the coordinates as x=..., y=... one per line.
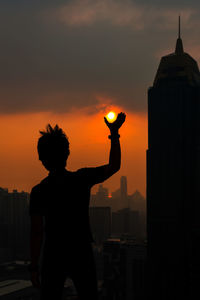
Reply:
x=59, y=55
x=87, y=12
x=138, y=15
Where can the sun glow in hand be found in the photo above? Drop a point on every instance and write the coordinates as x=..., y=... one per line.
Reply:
x=111, y=116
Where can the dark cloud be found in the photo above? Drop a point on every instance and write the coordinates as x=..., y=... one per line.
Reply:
x=57, y=55
x=169, y=3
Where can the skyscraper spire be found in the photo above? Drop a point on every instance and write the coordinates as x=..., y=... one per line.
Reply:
x=179, y=27
x=179, y=43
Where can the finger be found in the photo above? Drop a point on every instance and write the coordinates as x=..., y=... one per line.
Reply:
x=123, y=116
x=106, y=121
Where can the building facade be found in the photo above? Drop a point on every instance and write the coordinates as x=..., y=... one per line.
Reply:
x=100, y=221
x=14, y=225
x=173, y=178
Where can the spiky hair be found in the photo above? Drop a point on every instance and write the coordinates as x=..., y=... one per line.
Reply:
x=53, y=138
x=56, y=131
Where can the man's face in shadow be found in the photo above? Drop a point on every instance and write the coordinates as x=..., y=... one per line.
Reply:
x=53, y=161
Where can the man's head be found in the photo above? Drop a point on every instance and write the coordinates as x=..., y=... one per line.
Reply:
x=53, y=148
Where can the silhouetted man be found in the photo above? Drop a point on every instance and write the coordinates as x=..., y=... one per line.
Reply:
x=60, y=204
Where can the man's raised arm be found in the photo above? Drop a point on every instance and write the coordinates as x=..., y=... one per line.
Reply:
x=115, y=150
x=99, y=174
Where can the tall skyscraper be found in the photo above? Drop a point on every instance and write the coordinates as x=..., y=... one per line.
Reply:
x=173, y=178
x=123, y=186
x=123, y=189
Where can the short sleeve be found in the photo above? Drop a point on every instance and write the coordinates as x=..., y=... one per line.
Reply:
x=94, y=175
x=36, y=202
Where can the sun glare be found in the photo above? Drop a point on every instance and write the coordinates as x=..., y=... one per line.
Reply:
x=111, y=116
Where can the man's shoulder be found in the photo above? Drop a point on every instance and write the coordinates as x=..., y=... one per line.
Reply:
x=80, y=171
x=83, y=171
x=40, y=186
x=36, y=205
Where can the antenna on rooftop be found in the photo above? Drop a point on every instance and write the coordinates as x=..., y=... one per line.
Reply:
x=179, y=27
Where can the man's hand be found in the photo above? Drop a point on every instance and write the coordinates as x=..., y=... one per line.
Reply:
x=117, y=123
x=35, y=279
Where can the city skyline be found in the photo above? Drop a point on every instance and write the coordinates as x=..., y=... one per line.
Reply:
x=84, y=59
x=94, y=191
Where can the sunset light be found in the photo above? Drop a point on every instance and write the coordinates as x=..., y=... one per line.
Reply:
x=99, y=153
x=111, y=116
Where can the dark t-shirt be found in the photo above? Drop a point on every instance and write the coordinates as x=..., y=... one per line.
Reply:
x=63, y=200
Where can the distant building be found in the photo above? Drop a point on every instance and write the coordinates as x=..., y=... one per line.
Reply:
x=116, y=201
x=14, y=225
x=124, y=270
x=21, y=221
x=119, y=199
x=138, y=203
x=126, y=221
x=100, y=221
x=133, y=270
x=98, y=256
x=101, y=198
x=6, y=226
x=128, y=211
x=111, y=253
x=123, y=189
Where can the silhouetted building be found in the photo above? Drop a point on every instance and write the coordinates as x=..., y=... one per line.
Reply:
x=133, y=270
x=102, y=193
x=116, y=202
x=98, y=255
x=123, y=188
x=6, y=226
x=112, y=288
x=100, y=221
x=101, y=197
x=137, y=201
x=14, y=225
x=21, y=223
x=126, y=221
x=173, y=178
x=119, y=199
x=124, y=270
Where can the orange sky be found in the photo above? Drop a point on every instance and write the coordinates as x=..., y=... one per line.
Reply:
x=89, y=146
x=89, y=55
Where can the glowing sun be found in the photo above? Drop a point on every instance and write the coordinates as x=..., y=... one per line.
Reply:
x=111, y=116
